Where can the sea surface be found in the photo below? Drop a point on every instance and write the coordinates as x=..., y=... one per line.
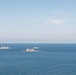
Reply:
x=51, y=59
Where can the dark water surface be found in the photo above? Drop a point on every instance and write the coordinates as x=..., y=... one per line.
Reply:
x=52, y=59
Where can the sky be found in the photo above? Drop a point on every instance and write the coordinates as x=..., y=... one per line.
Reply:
x=37, y=21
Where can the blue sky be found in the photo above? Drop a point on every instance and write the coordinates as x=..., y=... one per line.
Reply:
x=38, y=21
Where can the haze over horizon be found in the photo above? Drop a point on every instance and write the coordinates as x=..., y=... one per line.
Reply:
x=38, y=21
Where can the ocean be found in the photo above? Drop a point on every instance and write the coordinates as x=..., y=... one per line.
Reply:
x=51, y=59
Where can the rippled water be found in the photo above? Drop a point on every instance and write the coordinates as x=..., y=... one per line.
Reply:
x=52, y=59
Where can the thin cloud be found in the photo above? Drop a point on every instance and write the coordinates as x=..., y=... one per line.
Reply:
x=55, y=22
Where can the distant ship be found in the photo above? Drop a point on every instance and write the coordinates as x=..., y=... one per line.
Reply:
x=4, y=47
x=34, y=49
x=31, y=50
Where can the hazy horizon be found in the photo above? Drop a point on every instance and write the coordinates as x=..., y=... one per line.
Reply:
x=37, y=21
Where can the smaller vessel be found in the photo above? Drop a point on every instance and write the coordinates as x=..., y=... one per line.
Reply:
x=35, y=47
x=4, y=47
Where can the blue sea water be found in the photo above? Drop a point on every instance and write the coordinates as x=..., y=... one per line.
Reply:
x=52, y=59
